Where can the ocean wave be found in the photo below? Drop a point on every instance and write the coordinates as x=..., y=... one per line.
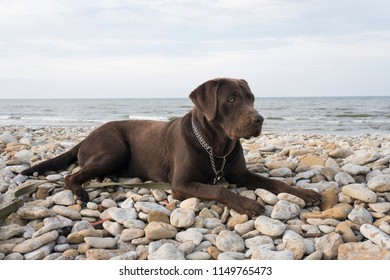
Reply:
x=347, y=115
x=152, y=118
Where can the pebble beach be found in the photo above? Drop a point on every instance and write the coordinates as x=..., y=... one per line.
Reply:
x=352, y=222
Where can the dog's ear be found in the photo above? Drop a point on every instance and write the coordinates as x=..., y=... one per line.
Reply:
x=205, y=98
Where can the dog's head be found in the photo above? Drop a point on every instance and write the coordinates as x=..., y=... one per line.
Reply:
x=229, y=103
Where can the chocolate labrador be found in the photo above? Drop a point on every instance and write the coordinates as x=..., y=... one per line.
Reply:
x=192, y=153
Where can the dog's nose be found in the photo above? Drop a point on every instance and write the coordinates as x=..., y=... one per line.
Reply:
x=257, y=119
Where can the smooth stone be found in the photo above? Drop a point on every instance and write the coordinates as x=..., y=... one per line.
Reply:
x=132, y=255
x=363, y=157
x=157, y=216
x=292, y=198
x=103, y=254
x=260, y=241
x=67, y=212
x=182, y=217
x=380, y=207
x=339, y=212
x=190, y=235
x=268, y=197
x=191, y=203
x=265, y=254
x=360, y=216
x=343, y=178
x=40, y=253
x=134, y=223
x=159, y=195
x=198, y=256
x=90, y=213
x=113, y=228
x=35, y=243
x=131, y=233
x=78, y=236
x=231, y=256
x=14, y=257
x=362, y=251
x=354, y=169
x=108, y=203
x=293, y=242
x=305, y=175
x=159, y=230
x=101, y=242
x=24, y=156
x=281, y=172
x=228, y=241
x=120, y=214
x=275, y=164
x=9, y=231
x=380, y=183
x=340, y=153
x=300, y=152
x=329, y=199
x=236, y=220
x=360, y=191
x=54, y=177
x=346, y=232
x=316, y=255
x=34, y=212
x=310, y=160
x=166, y=252
x=328, y=245
x=269, y=226
x=244, y=228
x=284, y=210
x=65, y=197
x=376, y=235
x=148, y=207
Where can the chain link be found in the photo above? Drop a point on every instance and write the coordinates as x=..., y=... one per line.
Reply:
x=218, y=174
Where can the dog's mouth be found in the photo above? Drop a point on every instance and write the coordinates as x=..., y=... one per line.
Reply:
x=246, y=135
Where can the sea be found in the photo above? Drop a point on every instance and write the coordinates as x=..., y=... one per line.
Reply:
x=317, y=115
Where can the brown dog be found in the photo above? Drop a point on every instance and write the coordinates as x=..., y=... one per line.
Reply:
x=192, y=153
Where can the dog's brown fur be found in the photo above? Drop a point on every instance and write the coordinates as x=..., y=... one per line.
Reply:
x=169, y=151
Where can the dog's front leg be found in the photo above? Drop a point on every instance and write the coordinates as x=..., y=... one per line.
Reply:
x=234, y=201
x=254, y=181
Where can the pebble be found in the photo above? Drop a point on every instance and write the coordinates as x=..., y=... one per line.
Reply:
x=362, y=251
x=101, y=242
x=328, y=245
x=159, y=230
x=229, y=241
x=352, y=221
x=376, y=235
x=284, y=210
x=65, y=197
x=269, y=226
x=166, y=252
x=380, y=183
x=35, y=243
x=182, y=217
x=361, y=192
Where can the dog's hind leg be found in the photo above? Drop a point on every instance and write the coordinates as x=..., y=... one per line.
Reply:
x=98, y=166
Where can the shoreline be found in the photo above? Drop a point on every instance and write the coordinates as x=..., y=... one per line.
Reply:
x=353, y=222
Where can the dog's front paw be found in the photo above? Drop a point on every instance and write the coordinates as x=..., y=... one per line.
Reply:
x=246, y=206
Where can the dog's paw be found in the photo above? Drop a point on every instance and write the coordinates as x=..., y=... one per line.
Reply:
x=310, y=197
x=247, y=206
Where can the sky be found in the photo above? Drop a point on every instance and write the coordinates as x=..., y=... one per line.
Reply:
x=166, y=48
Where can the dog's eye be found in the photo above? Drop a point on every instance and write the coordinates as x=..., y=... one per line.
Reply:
x=232, y=99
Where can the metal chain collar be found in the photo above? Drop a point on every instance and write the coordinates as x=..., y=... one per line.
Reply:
x=218, y=174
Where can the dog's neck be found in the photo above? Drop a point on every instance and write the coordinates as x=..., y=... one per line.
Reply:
x=213, y=134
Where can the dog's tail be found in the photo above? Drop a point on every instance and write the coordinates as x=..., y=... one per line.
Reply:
x=57, y=163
